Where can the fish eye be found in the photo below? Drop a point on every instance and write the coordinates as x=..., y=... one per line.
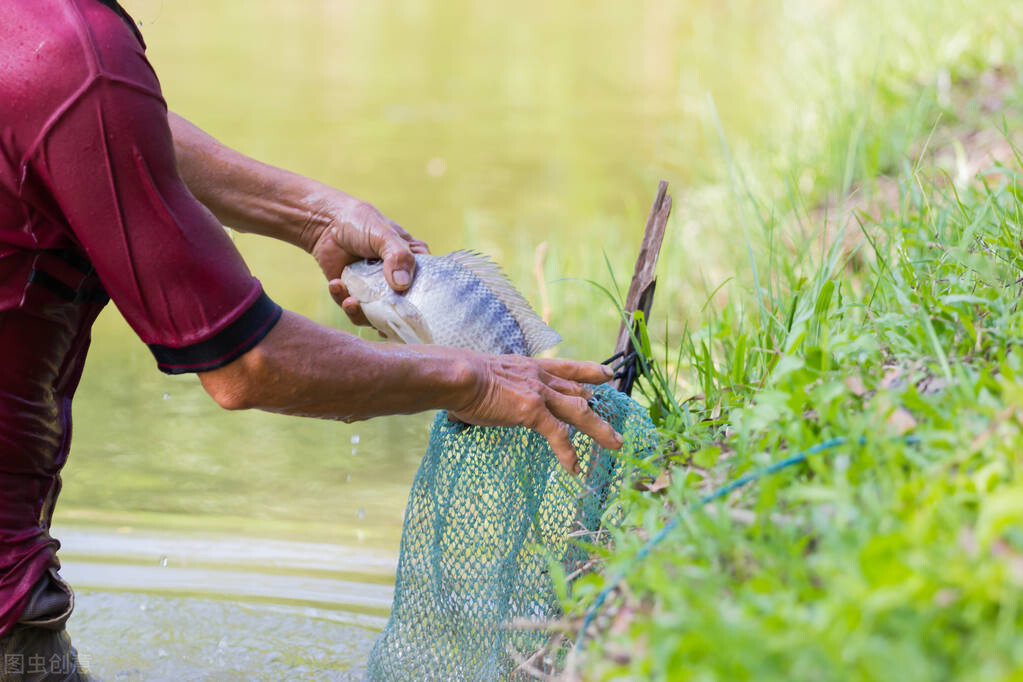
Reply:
x=373, y=261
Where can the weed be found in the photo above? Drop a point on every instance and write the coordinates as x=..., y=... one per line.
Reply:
x=885, y=556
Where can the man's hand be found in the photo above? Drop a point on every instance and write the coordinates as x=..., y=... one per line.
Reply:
x=350, y=230
x=546, y=395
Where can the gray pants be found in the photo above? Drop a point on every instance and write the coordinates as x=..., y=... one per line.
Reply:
x=38, y=648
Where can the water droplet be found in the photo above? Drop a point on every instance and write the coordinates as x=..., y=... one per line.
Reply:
x=166, y=396
x=355, y=450
x=142, y=606
x=162, y=653
x=436, y=167
x=361, y=514
x=348, y=478
x=163, y=560
x=355, y=439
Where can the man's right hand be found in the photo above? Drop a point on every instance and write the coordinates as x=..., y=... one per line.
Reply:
x=347, y=230
x=547, y=395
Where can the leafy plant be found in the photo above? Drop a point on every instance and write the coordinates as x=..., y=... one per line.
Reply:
x=885, y=557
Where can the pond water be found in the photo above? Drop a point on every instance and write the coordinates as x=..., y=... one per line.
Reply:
x=177, y=606
x=215, y=545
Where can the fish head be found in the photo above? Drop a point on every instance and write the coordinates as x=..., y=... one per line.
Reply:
x=389, y=312
x=365, y=281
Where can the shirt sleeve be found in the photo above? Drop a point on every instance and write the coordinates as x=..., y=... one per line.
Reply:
x=166, y=262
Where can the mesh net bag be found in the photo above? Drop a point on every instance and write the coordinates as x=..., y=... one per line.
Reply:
x=490, y=509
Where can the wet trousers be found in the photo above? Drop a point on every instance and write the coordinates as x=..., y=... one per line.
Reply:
x=38, y=648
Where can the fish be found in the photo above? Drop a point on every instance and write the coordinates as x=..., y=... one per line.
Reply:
x=461, y=299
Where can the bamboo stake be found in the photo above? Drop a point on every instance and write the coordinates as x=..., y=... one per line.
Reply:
x=641, y=288
x=640, y=297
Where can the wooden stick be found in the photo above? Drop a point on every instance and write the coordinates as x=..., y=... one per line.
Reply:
x=640, y=297
x=641, y=288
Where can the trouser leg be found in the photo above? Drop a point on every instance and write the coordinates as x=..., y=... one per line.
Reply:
x=38, y=648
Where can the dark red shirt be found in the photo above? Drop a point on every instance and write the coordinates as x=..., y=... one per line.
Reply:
x=91, y=205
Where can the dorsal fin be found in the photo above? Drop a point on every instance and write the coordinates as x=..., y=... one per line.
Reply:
x=538, y=335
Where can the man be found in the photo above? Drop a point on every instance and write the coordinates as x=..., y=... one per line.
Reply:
x=103, y=193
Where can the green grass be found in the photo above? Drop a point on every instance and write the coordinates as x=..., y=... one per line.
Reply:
x=883, y=559
x=859, y=90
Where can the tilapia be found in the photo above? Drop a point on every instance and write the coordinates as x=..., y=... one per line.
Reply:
x=461, y=299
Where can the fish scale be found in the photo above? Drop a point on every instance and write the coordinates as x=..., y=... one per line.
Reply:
x=461, y=299
x=462, y=311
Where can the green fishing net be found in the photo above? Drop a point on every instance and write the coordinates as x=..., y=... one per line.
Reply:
x=490, y=510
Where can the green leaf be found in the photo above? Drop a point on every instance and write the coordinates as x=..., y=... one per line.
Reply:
x=706, y=457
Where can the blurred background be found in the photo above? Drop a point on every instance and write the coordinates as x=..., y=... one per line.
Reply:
x=210, y=545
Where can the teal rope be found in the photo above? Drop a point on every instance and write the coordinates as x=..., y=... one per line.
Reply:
x=724, y=490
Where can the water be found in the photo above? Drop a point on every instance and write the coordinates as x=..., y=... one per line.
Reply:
x=174, y=606
x=215, y=545
x=154, y=637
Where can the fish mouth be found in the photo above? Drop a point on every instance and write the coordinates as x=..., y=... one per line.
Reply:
x=357, y=278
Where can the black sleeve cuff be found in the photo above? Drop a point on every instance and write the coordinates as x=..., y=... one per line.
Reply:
x=228, y=344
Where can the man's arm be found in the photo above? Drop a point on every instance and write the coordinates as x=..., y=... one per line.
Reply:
x=183, y=287
x=109, y=164
x=302, y=368
x=251, y=196
x=245, y=194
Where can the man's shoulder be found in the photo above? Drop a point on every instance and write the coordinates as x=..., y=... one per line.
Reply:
x=41, y=53
x=53, y=51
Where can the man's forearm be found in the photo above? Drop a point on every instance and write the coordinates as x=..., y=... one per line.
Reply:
x=305, y=369
x=246, y=194
x=336, y=228
x=302, y=368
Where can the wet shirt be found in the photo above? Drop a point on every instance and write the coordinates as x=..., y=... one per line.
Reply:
x=91, y=207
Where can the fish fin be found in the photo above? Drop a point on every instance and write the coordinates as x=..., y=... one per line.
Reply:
x=538, y=335
x=398, y=319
